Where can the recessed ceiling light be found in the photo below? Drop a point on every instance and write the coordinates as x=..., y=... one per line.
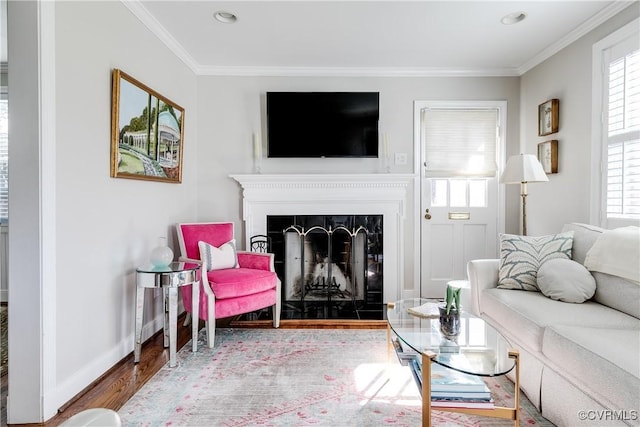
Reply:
x=513, y=18
x=226, y=17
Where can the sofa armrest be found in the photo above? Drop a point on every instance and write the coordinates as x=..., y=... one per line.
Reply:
x=256, y=260
x=483, y=274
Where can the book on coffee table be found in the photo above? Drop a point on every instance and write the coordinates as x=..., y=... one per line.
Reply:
x=427, y=310
x=435, y=403
x=449, y=380
x=450, y=385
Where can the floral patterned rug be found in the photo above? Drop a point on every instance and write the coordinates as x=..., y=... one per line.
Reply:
x=295, y=377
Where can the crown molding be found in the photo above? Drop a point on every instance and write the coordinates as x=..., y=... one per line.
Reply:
x=139, y=11
x=357, y=71
x=589, y=25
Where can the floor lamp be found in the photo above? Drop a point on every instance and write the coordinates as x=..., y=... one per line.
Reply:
x=521, y=169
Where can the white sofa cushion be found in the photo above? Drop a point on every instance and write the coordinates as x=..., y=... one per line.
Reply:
x=566, y=280
x=577, y=349
x=521, y=257
x=584, y=236
x=612, y=291
x=618, y=293
x=525, y=315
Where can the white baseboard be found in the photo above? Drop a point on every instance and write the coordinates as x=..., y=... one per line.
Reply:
x=73, y=385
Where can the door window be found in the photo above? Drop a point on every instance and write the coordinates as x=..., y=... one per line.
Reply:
x=459, y=193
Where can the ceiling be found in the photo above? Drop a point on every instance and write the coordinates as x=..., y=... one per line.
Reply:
x=331, y=37
x=363, y=37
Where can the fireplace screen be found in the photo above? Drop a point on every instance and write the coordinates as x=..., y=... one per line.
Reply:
x=330, y=266
x=325, y=264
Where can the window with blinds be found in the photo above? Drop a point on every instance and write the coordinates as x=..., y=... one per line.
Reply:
x=4, y=158
x=460, y=142
x=623, y=134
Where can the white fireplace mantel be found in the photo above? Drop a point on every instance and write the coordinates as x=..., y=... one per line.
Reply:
x=334, y=194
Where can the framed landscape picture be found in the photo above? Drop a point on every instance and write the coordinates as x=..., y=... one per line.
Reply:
x=548, y=156
x=548, y=117
x=147, y=132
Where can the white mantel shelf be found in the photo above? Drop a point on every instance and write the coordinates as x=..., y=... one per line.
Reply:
x=334, y=194
x=324, y=180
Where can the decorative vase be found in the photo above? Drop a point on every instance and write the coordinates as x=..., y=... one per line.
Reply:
x=449, y=323
x=162, y=255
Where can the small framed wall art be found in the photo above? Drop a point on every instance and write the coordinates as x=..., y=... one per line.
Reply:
x=147, y=132
x=548, y=156
x=548, y=117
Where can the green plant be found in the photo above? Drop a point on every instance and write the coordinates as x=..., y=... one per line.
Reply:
x=453, y=298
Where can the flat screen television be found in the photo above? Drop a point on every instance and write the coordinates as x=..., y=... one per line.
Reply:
x=322, y=124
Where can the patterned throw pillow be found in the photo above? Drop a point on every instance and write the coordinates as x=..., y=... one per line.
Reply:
x=522, y=256
x=219, y=258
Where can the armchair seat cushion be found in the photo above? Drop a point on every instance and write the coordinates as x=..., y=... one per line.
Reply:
x=237, y=282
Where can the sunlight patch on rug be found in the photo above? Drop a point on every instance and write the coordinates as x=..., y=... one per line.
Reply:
x=288, y=377
x=386, y=383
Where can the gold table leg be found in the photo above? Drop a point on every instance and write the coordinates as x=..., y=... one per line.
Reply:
x=426, y=388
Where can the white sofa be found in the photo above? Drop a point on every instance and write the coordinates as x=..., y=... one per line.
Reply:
x=580, y=363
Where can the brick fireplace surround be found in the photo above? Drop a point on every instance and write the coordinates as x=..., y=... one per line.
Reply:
x=334, y=194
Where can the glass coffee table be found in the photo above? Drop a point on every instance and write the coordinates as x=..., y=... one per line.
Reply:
x=479, y=350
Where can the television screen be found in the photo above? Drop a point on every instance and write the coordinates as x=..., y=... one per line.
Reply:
x=322, y=124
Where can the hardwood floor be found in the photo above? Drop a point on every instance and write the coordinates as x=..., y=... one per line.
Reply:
x=116, y=386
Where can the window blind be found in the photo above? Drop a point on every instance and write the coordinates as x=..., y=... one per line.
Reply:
x=623, y=133
x=460, y=142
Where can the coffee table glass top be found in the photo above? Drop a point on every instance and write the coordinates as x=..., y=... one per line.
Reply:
x=478, y=350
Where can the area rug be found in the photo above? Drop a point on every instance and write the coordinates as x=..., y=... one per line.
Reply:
x=295, y=377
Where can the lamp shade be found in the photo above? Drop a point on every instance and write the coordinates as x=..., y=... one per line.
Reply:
x=523, y=168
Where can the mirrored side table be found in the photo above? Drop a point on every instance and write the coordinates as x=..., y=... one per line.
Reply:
x=169, y=279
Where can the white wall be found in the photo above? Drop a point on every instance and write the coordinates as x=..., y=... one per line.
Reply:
x=566, y=76
x=231, y=108
x=25, y=341
x=103, y=227
x=120, y=225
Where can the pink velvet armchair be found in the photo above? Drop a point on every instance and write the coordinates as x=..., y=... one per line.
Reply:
x=227, y=290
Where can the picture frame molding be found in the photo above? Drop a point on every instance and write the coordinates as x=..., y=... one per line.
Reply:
x=168, y=151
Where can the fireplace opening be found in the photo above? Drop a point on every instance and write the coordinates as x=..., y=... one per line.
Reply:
x=331, y=266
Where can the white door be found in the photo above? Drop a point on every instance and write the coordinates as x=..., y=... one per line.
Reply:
x=459, y=223
x=461, y=214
